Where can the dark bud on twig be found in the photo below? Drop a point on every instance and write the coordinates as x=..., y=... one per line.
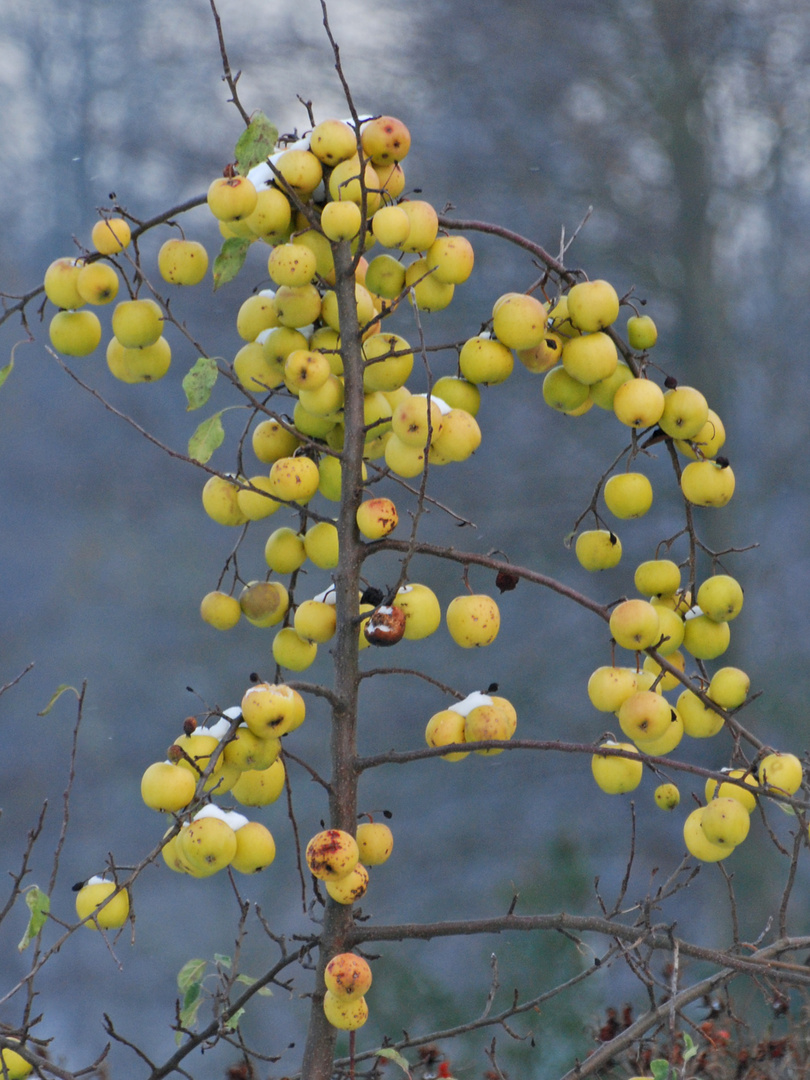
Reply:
x=670, y=382
x=506, y=580
x=372, y=595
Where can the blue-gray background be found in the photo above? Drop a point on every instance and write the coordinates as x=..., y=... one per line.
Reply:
x=686, y=128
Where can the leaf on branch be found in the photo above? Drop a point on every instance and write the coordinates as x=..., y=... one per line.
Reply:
x=256, y=143
x=191, y=974
x=222, y=960
x=661, y=1070
x=206, y=438
x=233, y=1023
x=786, y=809
x=189, y=980
x=230, y=260
x=263, y=991
x=199, y=382
x=690, y=1050
x=61, y=689
x=39, y=904
x=6, y=371
x=395, y=1056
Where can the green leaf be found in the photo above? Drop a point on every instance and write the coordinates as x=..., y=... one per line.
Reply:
x=61, y=689
x=191, y=974
x=230, y=260
x=661, y=1070
x=192, y=1001
x=690, y=1049
x=263, y=991
x=395, y=1056
x=233, y=1023
x=206, y=438
x=39, y=904
x=222, y=960
x=785, y=808
x=6, y=371
x=199, y=382
x=256, y=143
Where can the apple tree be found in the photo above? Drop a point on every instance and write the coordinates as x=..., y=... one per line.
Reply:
x=348, y=415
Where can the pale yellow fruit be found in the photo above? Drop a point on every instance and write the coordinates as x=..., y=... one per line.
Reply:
x=445, y=728
x=698, y=844
x=375, y=842
x=247, y=751
x=473, y=620
x=255, y=848
x=519, y=321
x=725, y=822
x=341, y=220
x=377, y=517
x=590, y=358
x=699, y=721
x=657, y=577
x=167, y=787
x=182, y=262
x=139, y=365
x=316, y=621
x=264, y=603
x=231, y=198
x=781, y=771
x=638, y=403
x=628, y=495
x=487, y=722
x=345, y=1014
x=385, y=139
x=208, y=844
x=300, y=169
x=14, y=1064
x=423, y=613
x=292, y=651
x=728, y=790
x=347, y=976
x=137, y=323
x=97, y=283
x=645, y=715
x=609, y=687
x=260, y=787
x=562, y=392
x=75, y=333
x=483, y=360
x=667, y=796
x=593, y=305
x=635, y=624
x=704, y=638
x=60, y=283
x=331, y=854
x=219, y=499
x=111, y=235
x=256, y=502
x=598, y=549
x=708, y=483
x=92, y=895
x=616, y=775
x=269, y=709
x=351, y=887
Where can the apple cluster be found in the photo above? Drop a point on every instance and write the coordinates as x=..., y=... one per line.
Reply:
x=239, y=755
x=334, y=857
x=478, y=718
x=137, y=351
